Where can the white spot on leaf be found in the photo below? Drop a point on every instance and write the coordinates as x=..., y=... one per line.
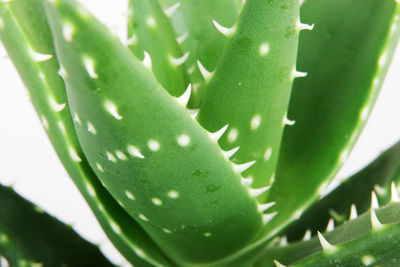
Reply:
x=264, y=49
x=112, y=109
x=232, y=135
x=157, y=201
x=255, y=122
x=134, y=151
x=153, y=145
x=173, y=194
x=183, y=140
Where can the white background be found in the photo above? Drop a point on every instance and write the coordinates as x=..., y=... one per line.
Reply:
x=28, y=161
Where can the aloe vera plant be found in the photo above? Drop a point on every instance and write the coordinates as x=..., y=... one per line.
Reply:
x=203, y=139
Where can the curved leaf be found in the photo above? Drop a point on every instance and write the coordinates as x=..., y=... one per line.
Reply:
x=157, y=161
x=28, y=41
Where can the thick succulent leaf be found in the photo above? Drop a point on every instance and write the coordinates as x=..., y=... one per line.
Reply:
x=350, y=244
x=27, y=38
x=356, y=191
x=152, y=39
x=193, y=24
x=250, y=89
x=377, y=248
x=28, y=235
x=346, y=57
x=159, y=163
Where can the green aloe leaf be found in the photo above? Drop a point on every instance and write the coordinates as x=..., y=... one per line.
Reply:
x=29, y=236
x=190, y=201
x=28, y=41
x=152, y=39
x=194, y=26
x=251, y=86
x=356, y=191
x=371, y=238
x=346, y=57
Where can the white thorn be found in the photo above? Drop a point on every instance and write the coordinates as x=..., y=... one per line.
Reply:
x=268, y=217
x=62, y=72
x=307, y=235
x=331, y=225
x=56, y=107
x=217, y=135
x=204, y=72
x=147, y=60
x=184, y=98
x=132, y=40
x=228, y=154
x=375, y=223
x=286, y=121
x=182, y=38
x=170, y=10
x=179, y=61
x=255, y=192
x=374, y=201
x=324, y=243
x=353, y=212
x=379, y=190
x=247, y=181
x=298, y=74
x=283, y=242
x=302, y=2
x=303, y=26
x=263, y=207
x=278, y=264
x=243, y=167
x=193, y=112
x=38, y=57
x=225, y=30
x=394, y=194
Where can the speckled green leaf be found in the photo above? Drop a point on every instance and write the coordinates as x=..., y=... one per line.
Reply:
x=28, y=235
x=346, y=57
x=352, y=241
x=28, y=41
x=158, y=162
x=152, y=38
x=250, y=89
x=193, y=24
x=355, y=190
